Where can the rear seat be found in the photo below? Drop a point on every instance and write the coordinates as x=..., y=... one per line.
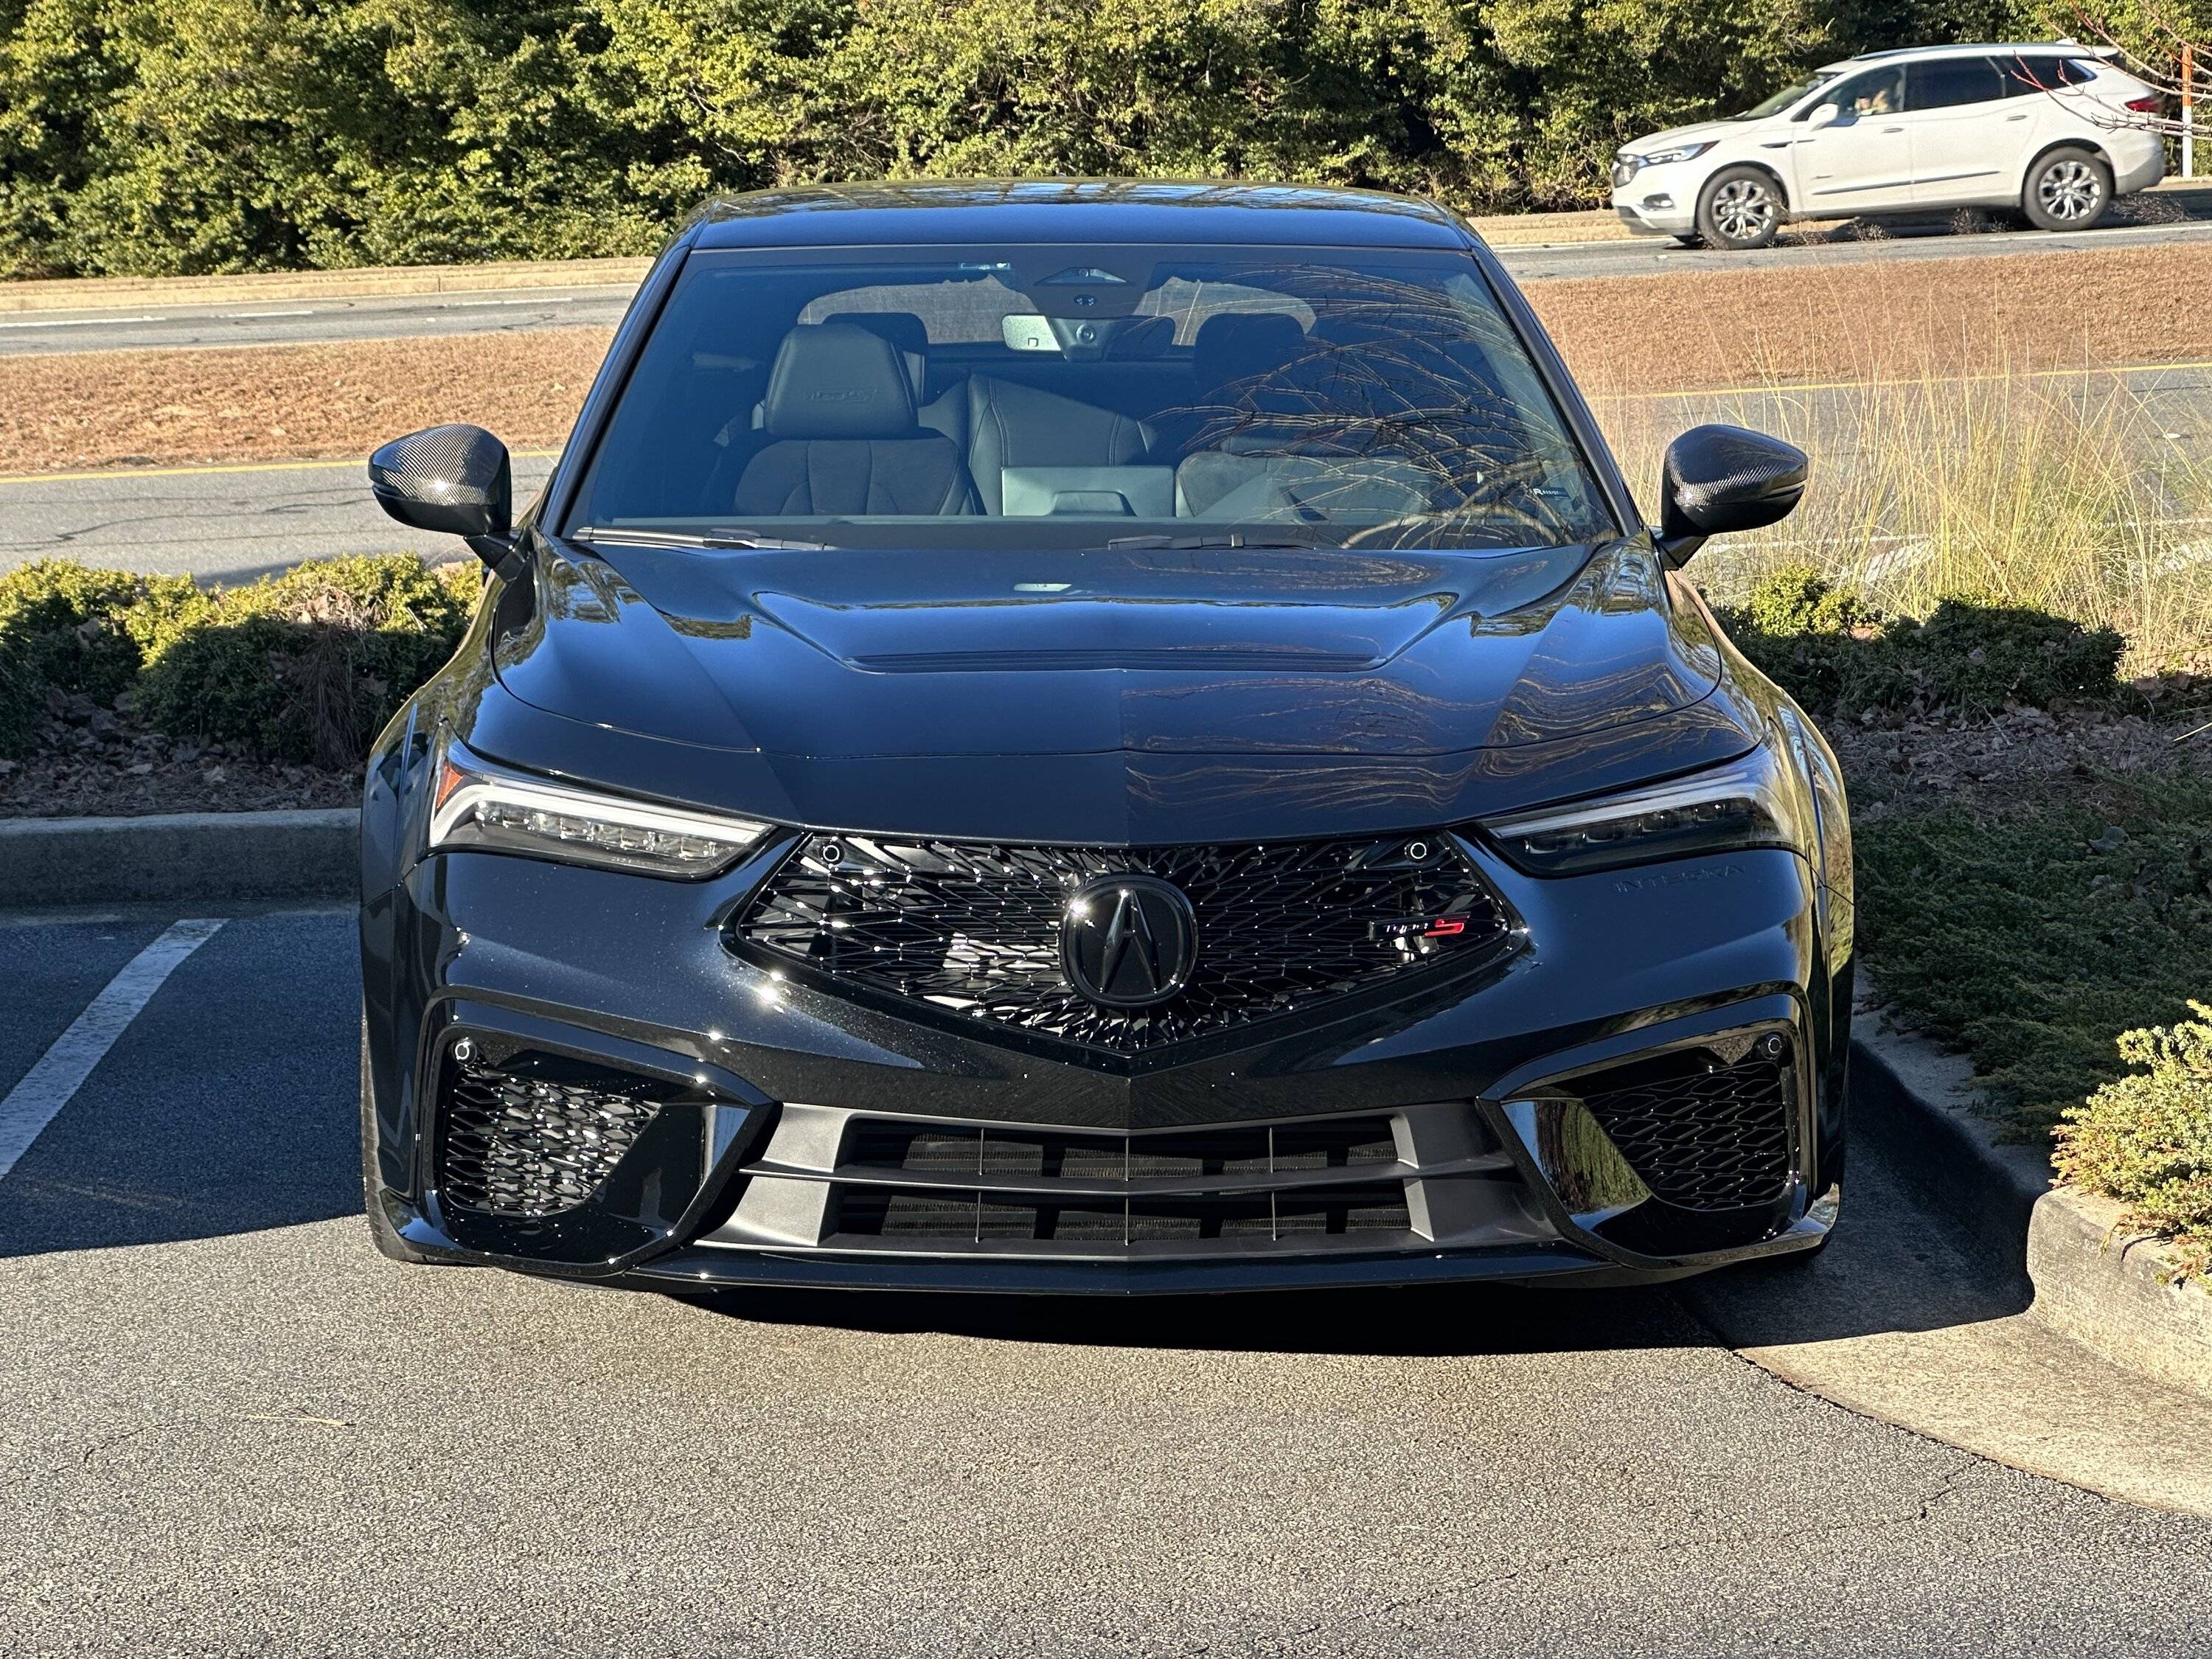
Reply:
x=1002, y=423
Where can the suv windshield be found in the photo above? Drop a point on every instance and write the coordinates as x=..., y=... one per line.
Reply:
x=1782, y=100
x=1073, y=395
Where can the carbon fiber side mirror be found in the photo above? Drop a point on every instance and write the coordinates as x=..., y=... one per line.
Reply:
x=455, y=480
x=1720, y=479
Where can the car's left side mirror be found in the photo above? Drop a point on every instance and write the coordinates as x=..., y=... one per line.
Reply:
x=1720, y=479
x=455, y=480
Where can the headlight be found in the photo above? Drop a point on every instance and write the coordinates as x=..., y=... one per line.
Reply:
x=1753, y=802
x=481, y=807
x=1659, y=158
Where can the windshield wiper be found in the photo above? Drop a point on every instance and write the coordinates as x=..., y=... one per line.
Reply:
x=1181, y=544
x=592, y=534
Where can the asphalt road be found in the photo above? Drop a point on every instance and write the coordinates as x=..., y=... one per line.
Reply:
x=219, y=523
x=280, y=322
x=230, y=524
x=231, y=1427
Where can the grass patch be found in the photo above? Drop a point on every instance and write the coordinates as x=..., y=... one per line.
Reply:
x=2029, y=938
x=2032, y=919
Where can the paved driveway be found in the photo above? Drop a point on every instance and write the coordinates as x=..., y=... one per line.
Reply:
x=231, y=1427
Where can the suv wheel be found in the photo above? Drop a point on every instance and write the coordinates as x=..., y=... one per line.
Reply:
x=2067, y=189
x=1739, y=208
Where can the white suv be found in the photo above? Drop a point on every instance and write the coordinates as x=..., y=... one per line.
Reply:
x=2053, y=131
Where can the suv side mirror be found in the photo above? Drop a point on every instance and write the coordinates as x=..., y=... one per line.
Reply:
x=455, y=480
x=1826, y=116
x=1721, y=479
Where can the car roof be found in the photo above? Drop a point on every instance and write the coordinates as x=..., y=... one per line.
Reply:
x=1975, y=48
x=1073, y=211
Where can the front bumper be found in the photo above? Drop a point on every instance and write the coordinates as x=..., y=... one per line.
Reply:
x=1453, y=1131
x=1654, y=203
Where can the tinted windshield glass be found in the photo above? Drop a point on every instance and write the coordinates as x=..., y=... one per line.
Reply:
x=1784, y=99
x=1070, y=396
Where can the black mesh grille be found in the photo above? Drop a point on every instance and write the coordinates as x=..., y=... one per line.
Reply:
x=536, y=1136
x=1701, y=1134
x=973, y=928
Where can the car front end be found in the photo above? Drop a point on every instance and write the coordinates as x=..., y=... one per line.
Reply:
x=1656, y=182
x=1380, y=904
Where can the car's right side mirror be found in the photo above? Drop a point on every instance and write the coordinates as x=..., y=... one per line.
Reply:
x=1826, y=116
x=455, y=480
x=1719, y=479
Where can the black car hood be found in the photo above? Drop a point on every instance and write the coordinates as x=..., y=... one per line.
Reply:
x=1136, y=697
x=853, y=655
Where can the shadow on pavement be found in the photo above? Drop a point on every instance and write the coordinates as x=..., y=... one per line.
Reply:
x=227, y=1107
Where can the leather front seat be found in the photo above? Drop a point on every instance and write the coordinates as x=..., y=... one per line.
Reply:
x=843, y=438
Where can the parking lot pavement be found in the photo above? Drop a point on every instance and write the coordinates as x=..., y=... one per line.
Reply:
x=232, y=1427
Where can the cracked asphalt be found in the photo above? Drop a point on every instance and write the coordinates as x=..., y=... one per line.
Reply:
x=230, y=1427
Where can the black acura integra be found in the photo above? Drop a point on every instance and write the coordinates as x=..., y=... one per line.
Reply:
x=1099, y=738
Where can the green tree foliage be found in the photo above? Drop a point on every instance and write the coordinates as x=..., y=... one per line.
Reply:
x=158, y=135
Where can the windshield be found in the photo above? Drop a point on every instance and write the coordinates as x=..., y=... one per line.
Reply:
x=1080, y=396
x=1787, y=96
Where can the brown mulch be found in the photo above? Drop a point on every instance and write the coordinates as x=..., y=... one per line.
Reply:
x=2077, y=759
x=1682, y=330
x=95, y=762
x=99, y=408
x=1904, y=318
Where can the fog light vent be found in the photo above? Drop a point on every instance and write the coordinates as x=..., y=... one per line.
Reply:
x=536, y=1135
x=1702, y=1133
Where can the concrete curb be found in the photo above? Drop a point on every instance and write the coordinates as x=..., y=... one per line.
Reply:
x=182, y=857
x=2109, y=1291
x=2094, y=1284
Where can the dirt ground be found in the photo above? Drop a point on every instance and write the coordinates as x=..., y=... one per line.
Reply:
x=93, y=761
x=1683, y=331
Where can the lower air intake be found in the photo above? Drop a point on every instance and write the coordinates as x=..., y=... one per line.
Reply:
x=536, y=1135
x=1702, y=1133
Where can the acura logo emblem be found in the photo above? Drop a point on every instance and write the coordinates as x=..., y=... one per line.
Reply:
x=1128, y=941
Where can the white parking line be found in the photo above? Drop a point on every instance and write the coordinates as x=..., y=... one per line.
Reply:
x=80, y=322
x=46, y=1087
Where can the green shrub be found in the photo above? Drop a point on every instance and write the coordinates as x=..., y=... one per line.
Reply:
x=2147, y=1140
x=77, y=629
x=1837, y=655
x=2028, y=938
x=160, y=136
x=308, y=666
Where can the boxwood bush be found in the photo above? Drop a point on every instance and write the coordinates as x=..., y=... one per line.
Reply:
x=1838, y=655
x=2147, y=1139
x=303, y=666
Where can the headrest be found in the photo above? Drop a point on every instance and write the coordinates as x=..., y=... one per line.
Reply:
x=1230, y=348
x=835, y=380
x=904, y=330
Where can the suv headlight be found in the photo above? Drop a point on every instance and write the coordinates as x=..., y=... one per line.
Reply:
x=1660, y=158
x=479, y=807
x=1756, y=801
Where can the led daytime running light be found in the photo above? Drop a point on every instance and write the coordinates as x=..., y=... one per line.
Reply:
x=477, y=806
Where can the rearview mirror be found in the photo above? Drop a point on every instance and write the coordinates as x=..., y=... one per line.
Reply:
x=455, y=480
x=1722, y=478
x=1825, y=116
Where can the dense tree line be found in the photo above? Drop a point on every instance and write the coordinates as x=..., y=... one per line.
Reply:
x=157, y=136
